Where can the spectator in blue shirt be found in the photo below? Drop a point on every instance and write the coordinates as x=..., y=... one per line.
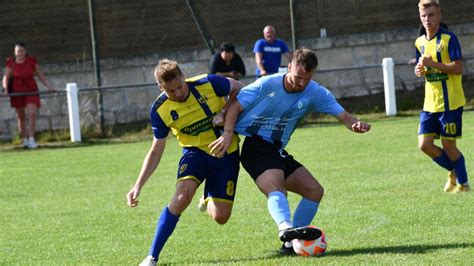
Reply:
x=268, y=52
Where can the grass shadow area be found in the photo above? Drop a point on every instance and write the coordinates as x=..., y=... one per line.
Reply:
x=403, y=249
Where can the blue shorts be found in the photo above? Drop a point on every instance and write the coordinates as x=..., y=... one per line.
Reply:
x=220, y=174
x=447, y=124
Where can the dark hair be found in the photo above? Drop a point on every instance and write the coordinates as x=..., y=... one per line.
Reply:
x=227, y=46
x=306, y=58
x=22, y=44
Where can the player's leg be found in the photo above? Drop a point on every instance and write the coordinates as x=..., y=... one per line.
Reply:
x=169, y=217
x=452, y=129
x=302, y=182
x=430, y=128
x=189, y=177
x=221, y=185
x=264, y=164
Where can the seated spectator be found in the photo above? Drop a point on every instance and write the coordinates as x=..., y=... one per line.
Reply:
x=227, y=62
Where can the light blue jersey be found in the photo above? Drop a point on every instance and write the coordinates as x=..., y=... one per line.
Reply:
x=273, y=113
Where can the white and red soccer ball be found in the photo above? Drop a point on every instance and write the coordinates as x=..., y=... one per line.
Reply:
x=310, y=248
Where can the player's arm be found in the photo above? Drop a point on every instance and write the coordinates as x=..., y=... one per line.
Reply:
x=220, y=145
x=454, y=67
x=352, y=123
x=150, y=163
x=259, y=62
x=235, y=87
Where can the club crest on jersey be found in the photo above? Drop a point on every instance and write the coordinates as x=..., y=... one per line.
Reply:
x=440, y=47
x=183, y=168
x=202, y=99
x=174, y=115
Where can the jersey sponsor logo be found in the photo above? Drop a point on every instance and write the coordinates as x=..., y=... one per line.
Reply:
x=433, y=74
x=198, y=127
x=174, y=115
x=270, y=49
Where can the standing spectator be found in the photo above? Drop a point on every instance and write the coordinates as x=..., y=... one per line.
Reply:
x=268, y=52
x=227, y=62
x=22, y=68
x=439, y=58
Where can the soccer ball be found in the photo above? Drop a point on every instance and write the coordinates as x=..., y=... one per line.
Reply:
x=311, y=248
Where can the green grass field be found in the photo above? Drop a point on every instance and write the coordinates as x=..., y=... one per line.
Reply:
x=383, y=204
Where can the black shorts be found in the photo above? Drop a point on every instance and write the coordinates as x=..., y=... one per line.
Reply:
x=259, y=155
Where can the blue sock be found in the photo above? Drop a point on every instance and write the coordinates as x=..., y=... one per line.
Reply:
x=278, y=207
x=164, y=229
x=444, y=161
x=305, y=212
x=460, y=169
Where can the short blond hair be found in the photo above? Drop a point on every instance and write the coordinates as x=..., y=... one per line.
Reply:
x=167, y=70
x=428, y=3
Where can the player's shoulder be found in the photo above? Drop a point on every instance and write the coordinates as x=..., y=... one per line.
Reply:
x=160, y=101
x=200, y=79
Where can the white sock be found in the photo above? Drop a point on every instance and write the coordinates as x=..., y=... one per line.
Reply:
x=284, y=226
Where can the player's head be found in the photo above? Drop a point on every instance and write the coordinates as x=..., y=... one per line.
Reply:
x=227, y=51
x=301, y=69
x=269, y=33
x=430, y=14
x=170, y=79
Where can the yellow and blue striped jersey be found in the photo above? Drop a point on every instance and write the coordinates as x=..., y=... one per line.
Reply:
x=442, y=91
x=191, y=120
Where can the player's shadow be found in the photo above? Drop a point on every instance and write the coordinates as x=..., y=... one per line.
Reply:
x=411, y=249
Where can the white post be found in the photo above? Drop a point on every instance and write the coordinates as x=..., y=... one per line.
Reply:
x=73, y=108
x=389, y=86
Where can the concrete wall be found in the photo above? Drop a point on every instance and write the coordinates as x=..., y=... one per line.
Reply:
x=360, y=52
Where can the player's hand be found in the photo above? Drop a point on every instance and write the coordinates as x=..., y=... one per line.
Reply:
x=218, y=120
x=360, y=127
x=220, y=145
x=132, y=196
x=263, y=73
x=419, y=70
x=426, y=60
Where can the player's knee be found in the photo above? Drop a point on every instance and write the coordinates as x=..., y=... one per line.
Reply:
x=221, y=218
x=318, y=193
x=425, y=146
x=314, y=193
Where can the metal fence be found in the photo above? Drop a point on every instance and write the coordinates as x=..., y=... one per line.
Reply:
x=98, y=37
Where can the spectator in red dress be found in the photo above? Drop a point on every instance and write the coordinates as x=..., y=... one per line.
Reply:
x=22, y=68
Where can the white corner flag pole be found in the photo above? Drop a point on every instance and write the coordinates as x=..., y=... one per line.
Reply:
x=389, y=86
x=73, y=109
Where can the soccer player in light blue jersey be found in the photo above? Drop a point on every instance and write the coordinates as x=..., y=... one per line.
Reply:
x=267, y=112
x=190, y=108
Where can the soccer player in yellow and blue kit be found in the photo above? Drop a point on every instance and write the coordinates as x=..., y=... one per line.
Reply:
x=191, y=108
x=439, y=60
